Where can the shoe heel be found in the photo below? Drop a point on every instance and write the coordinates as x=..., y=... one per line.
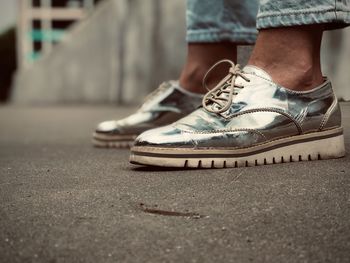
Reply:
x=329, y=148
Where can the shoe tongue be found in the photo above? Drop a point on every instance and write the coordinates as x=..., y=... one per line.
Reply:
x=158, y=95
x=249, y=69
x=257, y=71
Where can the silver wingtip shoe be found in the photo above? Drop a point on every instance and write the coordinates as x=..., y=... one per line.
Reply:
x=248, y=120
x=165, y=105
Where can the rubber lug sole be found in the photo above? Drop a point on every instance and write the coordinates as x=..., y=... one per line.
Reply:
x=306, y=147
x=113, y=141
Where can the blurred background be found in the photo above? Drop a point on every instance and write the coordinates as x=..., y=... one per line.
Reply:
x=109, y=51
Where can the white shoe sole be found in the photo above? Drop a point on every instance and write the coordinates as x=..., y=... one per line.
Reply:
x=307, y=147
x=112, y=141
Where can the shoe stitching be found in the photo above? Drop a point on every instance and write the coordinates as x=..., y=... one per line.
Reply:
x=328, y=113
x=274, y=110
x=258, y=144
x=297, y=13
x=225, y=130
x=268, y=109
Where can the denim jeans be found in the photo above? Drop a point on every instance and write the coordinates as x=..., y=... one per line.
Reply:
x=238, y=20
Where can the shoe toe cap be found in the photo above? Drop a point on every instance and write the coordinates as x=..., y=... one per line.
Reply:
x=167, y=136
x=107, y=127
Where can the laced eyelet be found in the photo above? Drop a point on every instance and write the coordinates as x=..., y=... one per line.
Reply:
x=227, y=86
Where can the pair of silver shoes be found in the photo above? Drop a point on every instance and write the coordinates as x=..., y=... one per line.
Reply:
x=246, y=120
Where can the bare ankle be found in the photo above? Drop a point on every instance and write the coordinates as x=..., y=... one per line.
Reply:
x=191, y=78
x=306, y=78
x=297, y=76
x=291, y=56
x=200, y=58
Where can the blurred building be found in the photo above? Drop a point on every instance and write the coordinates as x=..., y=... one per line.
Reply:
x=120, y=51
x=42, y=24
x=115, y=54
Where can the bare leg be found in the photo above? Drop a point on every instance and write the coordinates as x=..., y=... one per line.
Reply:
x=290, y=55
x=200, y=57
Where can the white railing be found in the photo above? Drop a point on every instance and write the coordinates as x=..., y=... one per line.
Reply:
x=46, y=34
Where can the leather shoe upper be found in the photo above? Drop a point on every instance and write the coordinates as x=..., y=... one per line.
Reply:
x=165, y=105
x=256, y=110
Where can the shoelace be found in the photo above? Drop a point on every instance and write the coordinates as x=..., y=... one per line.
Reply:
x=162, y=87
x=226, y=86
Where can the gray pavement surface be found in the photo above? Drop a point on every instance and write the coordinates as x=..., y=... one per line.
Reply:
x=61, y=200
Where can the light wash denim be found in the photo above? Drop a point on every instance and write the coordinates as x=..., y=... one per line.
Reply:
x=280, y=13
x=221, y=20
x=238, y=20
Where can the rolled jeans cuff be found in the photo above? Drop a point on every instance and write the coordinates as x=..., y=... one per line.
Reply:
x=210, y=21
x=330, y=18
x=215, y=36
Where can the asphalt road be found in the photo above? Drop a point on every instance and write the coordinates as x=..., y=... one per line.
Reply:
x=62, y=200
